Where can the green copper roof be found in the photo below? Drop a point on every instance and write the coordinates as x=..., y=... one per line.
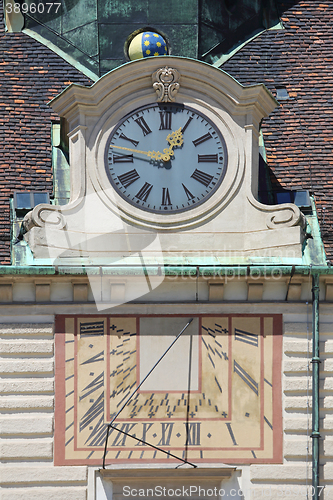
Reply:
x=91, y=34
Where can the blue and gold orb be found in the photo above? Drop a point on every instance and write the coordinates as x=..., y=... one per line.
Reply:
x=147, y=44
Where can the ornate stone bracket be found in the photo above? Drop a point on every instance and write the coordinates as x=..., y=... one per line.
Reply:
x=286, y=215
x=43, y=215
x=166, y=84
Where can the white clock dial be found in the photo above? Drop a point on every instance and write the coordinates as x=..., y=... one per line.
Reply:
x=166, y=158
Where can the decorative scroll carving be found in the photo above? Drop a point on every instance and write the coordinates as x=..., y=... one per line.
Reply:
x=287, y=216
x=166, y=84
x=43, y=215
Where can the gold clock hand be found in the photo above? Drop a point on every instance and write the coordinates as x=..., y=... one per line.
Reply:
x=165, y=156
x=175, y=138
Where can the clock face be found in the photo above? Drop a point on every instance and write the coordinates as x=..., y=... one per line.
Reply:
x=166, y=158
x=218, y=389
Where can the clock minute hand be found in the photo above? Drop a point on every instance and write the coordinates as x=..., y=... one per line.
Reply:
x=165, y=156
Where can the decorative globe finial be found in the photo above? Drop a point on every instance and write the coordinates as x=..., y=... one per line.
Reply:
x=147, y=44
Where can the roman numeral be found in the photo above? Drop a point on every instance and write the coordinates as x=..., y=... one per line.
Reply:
x=208, y=158
x=166, y=434
x=143, y=124
x=246, y=337
x=246, y=377
x=123, y=136
x=95, y=359
x=95, y=410
x=188, y=193
x=144, y=191
x=166, y=197
x=187, y=124
x=202, y=177
x=202, y=139
x=96, y=328
x=96, y=384
x=122, y=158
x=120, y=440
x=234, y=442
x=145, y=430
x=193, y=433
x=128, y=178
x=165, y=117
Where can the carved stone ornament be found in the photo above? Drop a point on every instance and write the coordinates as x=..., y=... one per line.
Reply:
x=166, y=84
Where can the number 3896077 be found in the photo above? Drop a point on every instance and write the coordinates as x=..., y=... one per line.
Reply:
x=33, y=8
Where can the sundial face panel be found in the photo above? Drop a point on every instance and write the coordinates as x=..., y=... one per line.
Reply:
x=218, y=388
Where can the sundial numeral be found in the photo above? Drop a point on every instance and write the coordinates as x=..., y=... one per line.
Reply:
x=234, y=442
x=202, y=177
x=120, y=439
x=166, y=434
x=193, y=433
x=143, y=125
x=95, y=328
x=246, y=337
x=144, y=191
x=128, y=178
x=165, y=117
x=94, y=359
x=246, y=377
x=202, y=139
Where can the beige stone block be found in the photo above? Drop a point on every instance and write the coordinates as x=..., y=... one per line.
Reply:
x=43, y=473
x=328, y=446
x=27, y=403
x=215, y=291
x=326, y=346
x=280, y=473
x=294, y=291
x=329, y=292
x=26, y=347
x=298, y=424
x=299, y=366
x=326, y=402
x=13, y=425
x=295, y=384
x=27, y=385
x=6, y=292
x=44, y=493
x=118, y=291
x=27, y=366
x=328, y=423
x=328, y=472
x=296, y=328
x=26, y=329
x=297, y=403
x=26, y=448
x=299, y=346
x=326, y=365
x=326, y=384
x=295, y=448
x=43, y=292
x=80, y=292
x=255, y=291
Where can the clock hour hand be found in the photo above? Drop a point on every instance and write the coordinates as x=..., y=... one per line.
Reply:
x=165, y=156
x=175, y=138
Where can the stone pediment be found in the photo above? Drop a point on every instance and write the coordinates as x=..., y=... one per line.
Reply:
x=211, y=172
